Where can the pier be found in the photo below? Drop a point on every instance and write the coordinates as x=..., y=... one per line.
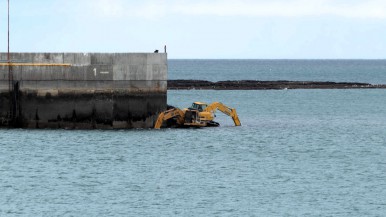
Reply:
x=82, y=90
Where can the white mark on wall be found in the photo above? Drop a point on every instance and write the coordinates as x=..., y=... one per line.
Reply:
x=104, y=72
x=95, y=72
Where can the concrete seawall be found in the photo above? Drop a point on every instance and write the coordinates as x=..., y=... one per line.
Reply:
x=97, y=90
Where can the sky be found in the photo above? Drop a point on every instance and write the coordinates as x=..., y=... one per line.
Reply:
x=200, y=29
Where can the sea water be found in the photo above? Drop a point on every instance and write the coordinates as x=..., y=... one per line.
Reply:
x=297, y=153
x=367, y=71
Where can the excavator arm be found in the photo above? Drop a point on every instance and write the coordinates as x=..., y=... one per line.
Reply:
x=166, y=115
x=226, y=110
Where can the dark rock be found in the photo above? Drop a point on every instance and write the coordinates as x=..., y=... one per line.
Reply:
x=265, y=85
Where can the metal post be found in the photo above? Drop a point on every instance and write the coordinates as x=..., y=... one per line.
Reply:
x=8, y=57
x=10, y=80
x=10, y=77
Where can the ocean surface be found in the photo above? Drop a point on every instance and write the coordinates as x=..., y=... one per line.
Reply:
x=297, y=153
x=367, y=71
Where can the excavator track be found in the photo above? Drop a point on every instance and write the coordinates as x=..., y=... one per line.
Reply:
x=213, y=124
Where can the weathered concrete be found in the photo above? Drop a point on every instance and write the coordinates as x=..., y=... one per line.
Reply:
x=98, y=90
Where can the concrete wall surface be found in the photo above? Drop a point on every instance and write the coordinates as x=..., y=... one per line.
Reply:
x=95, y=90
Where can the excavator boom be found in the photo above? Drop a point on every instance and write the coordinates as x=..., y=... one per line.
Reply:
x=224, y=109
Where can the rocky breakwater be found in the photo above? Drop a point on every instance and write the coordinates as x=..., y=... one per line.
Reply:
x=265, y=85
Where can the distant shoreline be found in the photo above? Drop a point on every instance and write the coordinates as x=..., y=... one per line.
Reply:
x=266, y=85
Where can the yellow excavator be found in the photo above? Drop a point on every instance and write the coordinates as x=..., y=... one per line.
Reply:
x=198, y=115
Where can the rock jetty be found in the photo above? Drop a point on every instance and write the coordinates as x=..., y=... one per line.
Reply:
x=266, y=85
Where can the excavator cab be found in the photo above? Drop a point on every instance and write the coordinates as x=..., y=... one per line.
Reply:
x=200, y=106
x=204, y=115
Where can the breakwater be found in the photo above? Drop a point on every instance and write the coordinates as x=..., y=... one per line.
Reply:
x=82, y=90
x=265, y=85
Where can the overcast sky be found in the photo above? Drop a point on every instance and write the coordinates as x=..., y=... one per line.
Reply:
x=232, y=29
